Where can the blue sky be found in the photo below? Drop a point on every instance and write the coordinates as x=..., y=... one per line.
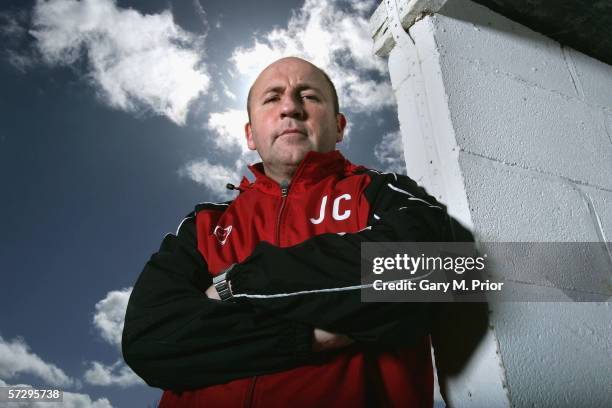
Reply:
x=116, y=118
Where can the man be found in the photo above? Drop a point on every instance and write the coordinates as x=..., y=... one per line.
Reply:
x=283, y=323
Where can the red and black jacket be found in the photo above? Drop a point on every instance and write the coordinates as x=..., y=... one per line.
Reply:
x=296, y=252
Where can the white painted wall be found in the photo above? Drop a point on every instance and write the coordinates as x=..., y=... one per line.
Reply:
x=514, y=133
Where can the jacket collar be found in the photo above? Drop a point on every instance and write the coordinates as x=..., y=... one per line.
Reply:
x=314, y=167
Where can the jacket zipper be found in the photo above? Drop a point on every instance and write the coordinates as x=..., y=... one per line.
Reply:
x=249, y=399
x=284, y=191
x=284, y=186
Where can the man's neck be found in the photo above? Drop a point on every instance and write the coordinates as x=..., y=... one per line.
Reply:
x=280, y=173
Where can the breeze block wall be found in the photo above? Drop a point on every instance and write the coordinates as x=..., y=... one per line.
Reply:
x=513, y=131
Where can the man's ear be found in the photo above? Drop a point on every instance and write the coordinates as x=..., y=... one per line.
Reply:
x=248, y=133
x=340, y=126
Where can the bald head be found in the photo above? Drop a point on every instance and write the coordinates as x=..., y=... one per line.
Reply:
x=323, y=74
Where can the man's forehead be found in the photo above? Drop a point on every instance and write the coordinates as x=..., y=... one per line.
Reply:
x=296, y=71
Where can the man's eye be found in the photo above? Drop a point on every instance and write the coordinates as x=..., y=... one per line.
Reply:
x=271, y=99
x=311, y=97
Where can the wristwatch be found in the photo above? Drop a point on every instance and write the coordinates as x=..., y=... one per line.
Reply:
x=222, y=285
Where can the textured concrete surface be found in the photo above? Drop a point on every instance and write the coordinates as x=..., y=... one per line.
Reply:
x=474, y=34
x=518, y=205
x=514, y=133
x=424, y=117
x=499, y=112
x=556, y=354
x=510, y=204
x=595, y=78
x=425, y=121
x=582, y=24
x=602, y=205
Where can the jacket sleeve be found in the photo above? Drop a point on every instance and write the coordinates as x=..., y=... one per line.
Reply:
x=175, y=337
x=320, y=266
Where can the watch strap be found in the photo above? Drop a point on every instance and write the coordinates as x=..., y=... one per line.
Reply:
x=222, y=285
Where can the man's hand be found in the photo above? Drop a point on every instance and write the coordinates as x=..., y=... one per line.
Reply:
x=322, y=341
x=212, y=293
x=325, y=341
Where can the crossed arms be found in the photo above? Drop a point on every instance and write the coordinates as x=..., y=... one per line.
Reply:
x=172, y=327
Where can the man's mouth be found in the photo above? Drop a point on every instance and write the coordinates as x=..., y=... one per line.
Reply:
x=292, y=131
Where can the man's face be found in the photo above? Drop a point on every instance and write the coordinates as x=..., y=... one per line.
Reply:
x=292, y=113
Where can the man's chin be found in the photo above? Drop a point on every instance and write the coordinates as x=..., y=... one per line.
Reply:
x=295, y=156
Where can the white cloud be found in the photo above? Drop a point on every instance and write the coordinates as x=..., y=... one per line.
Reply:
x=214, y=176
x=16, y=358
x=364, y=6
x=13, y=36
x=227, y=135
x=110, y=315
x=136, y=62
x=19, y=60
x=229, y=94
x=333, y=35
x=69, y=400
x=228, y=129
x=390, y=153
x=10, y=26
x=202, y=14
x=114, y=374
x=108, y=320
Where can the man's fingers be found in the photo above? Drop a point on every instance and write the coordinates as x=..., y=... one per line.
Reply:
x=324, y=340
x=212, y=293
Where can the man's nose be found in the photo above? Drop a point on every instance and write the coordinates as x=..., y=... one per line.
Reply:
x=291, y=106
